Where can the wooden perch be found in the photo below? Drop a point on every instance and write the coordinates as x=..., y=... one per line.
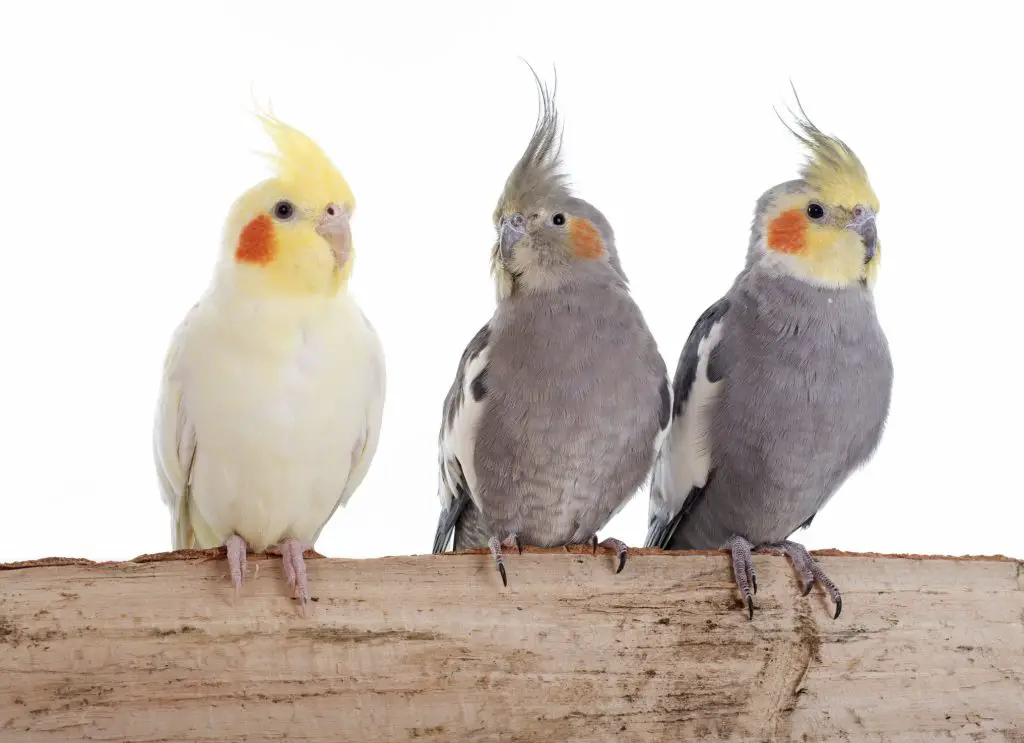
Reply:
x=432, y=648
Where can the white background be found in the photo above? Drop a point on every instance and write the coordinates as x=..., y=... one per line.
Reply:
x=127, y=132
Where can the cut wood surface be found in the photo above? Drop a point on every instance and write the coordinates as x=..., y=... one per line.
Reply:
x=432, y=648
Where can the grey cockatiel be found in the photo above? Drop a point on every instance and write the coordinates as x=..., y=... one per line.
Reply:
x=783, y=386
x=562, y=398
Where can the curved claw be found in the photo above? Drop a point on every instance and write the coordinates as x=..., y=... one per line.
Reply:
x=743, y=569
x=619, y=546
x=495, y=544
x=809, y=570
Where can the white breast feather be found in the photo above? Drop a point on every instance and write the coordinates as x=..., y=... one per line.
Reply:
x=278, y=408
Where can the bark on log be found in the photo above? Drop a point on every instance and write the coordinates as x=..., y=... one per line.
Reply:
x=432, y=648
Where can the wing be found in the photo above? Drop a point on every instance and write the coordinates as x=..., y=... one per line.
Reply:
x=684, y=465
x=365, y=446
x=174, y=441
x=463, y=406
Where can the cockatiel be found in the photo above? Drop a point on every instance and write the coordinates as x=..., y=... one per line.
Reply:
x=272, y=395
x=561, y=399
x=783, y=386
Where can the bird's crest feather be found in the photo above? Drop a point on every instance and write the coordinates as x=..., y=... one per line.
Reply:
x=538, y=176
x=831, y=166
x=303, y=168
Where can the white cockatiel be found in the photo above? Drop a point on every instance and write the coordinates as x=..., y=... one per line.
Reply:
x=273, y=389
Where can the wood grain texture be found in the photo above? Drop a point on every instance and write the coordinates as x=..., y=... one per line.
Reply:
x=431, y=648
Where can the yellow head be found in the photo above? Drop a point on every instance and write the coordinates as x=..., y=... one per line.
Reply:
x=821, y=228
x=289, y=235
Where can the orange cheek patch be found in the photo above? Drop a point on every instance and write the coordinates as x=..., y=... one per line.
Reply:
x=256, y=243
x=787, y=233
x=586, y=240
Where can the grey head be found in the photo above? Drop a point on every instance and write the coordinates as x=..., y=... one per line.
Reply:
x=547, y=236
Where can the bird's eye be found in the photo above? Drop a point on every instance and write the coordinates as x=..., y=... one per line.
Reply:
x=815, y=211
x=284, y=210
x=558, y=219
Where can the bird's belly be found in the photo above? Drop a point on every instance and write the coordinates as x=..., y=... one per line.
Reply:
x=780, y=459
x=274, y=447
x=572, y=473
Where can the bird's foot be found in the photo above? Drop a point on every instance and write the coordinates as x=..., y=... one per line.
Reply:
x=743, y=569
x=512, y=540
x=810, y=571
x=295, y=569
x=237, y=550
x=613, y=544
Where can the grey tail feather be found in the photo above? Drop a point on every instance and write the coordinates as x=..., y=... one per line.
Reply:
x=660, y=532
x=448, y=520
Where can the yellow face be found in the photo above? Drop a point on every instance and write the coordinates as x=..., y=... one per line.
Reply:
x=821, y=229
x=279, y=246
x=830, y=244
x=289, y=235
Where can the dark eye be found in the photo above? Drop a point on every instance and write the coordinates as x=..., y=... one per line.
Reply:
x=284, y=210
x=558, y=219
x=815, y=211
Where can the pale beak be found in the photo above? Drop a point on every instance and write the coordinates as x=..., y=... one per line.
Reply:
x=863, y=223
x=511, y=230
x=333, y=226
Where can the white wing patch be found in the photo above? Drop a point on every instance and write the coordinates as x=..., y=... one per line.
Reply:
x=693, y=454
x=686, y=459
x=662, y=437
x=459, y=440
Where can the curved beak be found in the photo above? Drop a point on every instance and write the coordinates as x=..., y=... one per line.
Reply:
x=863, y=223
x=511, y=229
x=333, y=226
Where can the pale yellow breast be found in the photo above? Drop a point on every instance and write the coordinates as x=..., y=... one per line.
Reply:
x=278, y=396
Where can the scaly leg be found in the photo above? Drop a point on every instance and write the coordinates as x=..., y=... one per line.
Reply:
x=237, y=549
x=295, y=569
x=613, y=544
x=743, y=569
x=810, y=571
x=495, y=544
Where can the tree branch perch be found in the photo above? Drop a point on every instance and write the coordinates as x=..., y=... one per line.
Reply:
x=432, y=648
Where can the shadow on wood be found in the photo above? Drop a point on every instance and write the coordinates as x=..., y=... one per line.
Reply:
x=432, y=648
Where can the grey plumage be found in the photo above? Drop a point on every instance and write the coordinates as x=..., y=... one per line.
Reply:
x=784, y=385
x=575, y=394
x=453, y=479
x=808, y=381
x=571, y=425
x=568, y=428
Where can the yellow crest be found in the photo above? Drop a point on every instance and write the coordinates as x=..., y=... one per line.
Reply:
x=831, y=167
x=304, y=169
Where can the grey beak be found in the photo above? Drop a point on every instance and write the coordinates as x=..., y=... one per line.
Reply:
x=511, y=230
x=863, y=224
